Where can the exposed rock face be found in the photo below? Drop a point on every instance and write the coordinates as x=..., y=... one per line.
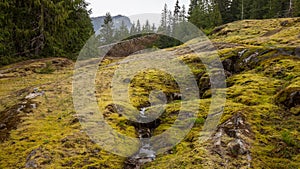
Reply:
x=125, y=48
x=293, y=99
x=247, y=59
x=232, y=142
x=290, y=99
x=38, y=157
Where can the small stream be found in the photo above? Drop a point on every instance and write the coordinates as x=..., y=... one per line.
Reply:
x=145, y=154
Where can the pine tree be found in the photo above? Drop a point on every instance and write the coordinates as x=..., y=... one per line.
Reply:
x=199, y=15
x=176, y=12
x=193, y=5
x=215, y=14
x=107, y=31
x=138, y=27
x=170, y=22
x=133, y=29
x=296, y=8
x=42, y=28
x=182, y=15
x=224, y=7
x=153, y=28
x=122, y=32
x=147, y=27
x=164, y=17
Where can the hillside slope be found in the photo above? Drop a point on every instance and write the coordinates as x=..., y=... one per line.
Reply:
x=258, y=129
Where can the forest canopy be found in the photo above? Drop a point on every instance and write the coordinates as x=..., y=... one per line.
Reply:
x=42, y=28
x=210, y=13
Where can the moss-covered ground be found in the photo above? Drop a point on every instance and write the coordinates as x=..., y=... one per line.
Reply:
x=261, y=59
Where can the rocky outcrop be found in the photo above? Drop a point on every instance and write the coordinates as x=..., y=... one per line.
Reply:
x=290, y=99
x=131, y=46
x=232, y=142
x=249, y=58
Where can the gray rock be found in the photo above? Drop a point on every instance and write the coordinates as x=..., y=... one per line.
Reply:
x=31, y=164
x=2, y=126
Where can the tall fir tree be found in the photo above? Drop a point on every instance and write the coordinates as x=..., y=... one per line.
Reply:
x=138, y=27
x=42, y=28
x=164, y=19
x=107, y=31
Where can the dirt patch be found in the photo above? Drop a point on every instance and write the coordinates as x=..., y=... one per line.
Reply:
x=30, y=66
x=11, y=117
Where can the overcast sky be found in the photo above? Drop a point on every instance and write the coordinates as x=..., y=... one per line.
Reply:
x=131, y=7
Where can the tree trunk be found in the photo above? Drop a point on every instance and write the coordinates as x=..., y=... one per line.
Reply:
x=290, y=13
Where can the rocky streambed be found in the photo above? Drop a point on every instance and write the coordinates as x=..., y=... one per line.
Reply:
x=146, y=152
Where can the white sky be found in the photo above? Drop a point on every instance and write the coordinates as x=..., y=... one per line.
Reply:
x=131, y=7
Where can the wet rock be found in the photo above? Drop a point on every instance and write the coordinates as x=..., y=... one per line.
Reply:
x=237, y=147
x=232, y=141
x=38, y=157
x=228, y=65
x=290, y=99
x=204, y=84
x=293, y=99
x=31, y=164
x=297, y=50
x=127, y=80
x=249, y=58
x=33, y=106
x=34, y=95
x=284, y=23
x=2, y=126
x=177, y=96
x=241, y=53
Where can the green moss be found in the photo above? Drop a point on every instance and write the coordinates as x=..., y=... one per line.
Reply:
x=258, y=90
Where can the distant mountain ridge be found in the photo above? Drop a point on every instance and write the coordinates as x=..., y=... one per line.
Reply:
x=117, y=21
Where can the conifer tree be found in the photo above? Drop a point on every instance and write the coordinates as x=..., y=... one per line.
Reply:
x=122, y=32
x=182, y=15
x=164, y=17
x=176, y=12
x=147, y=27
x=138, y=27
x=132, y=29
x=107, y=31
x=42, y=28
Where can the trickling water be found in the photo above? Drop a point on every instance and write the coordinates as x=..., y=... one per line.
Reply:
x=146, y=153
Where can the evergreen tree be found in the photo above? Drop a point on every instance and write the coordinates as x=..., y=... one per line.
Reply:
x=138, y=27
x=107, y=31
x=193, y=5
x=199, y=15
x=122, y=32
x=215, y=14
x=41, y=28
x=296, y=8
x=176, y=12
x=147, y=27
x=224, y=8
x=170, y=22
x=164, y=17
x=132, y=29
x=153, y=28
x=182, y=14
